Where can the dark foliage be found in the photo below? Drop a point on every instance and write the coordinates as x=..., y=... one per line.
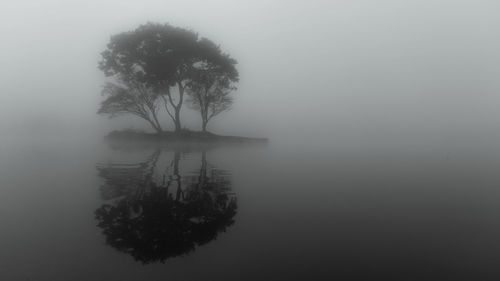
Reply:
x=166, y=60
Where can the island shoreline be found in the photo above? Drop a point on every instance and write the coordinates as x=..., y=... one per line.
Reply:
x=182, y=136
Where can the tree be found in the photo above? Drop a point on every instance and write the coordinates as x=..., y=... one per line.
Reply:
x=131, y=98
x=132, y=94
x=212, y=81
x=167, y=60
x=159, y=55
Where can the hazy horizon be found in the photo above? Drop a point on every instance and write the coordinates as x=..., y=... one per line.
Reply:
x=329, y=70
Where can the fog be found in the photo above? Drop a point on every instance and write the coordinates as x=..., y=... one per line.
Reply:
x=383, y=123
x=324, y=71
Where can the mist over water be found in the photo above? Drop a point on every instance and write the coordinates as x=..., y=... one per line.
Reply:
x=381, y=163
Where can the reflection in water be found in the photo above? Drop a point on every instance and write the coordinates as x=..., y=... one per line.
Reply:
x=154, y=220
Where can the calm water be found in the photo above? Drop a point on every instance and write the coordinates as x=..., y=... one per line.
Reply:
x=74, y=210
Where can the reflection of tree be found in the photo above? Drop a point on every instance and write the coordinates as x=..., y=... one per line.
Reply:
x=154, y=222
x=124, y=179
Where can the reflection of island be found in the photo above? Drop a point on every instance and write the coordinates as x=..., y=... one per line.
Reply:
x=155, y=221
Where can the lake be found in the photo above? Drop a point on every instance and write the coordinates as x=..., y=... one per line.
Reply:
x=101, y=210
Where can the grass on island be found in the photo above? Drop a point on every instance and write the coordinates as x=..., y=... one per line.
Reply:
x=182, y=136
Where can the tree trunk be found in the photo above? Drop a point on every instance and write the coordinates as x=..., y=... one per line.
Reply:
x=178, y=107
x=178, y=119
x=155, y=126
x=158, y=128
x=204, y=119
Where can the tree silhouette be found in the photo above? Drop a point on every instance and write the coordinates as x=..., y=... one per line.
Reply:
x=131, y=98
x=153, y=223
x=212, y=83
x=164, y=58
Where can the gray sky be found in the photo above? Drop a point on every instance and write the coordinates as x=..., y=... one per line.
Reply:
x=342, y=70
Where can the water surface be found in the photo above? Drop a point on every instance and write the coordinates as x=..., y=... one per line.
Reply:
x=127, y=211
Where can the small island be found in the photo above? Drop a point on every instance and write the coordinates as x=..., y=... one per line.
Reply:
x=155, y=70
x=183, y=136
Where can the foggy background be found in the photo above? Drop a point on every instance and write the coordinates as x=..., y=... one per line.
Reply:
x=317, y=72
x=384, y=126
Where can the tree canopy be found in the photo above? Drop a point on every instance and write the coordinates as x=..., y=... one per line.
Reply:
x=131, y=98
x=212, y=81
x=169, y=60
